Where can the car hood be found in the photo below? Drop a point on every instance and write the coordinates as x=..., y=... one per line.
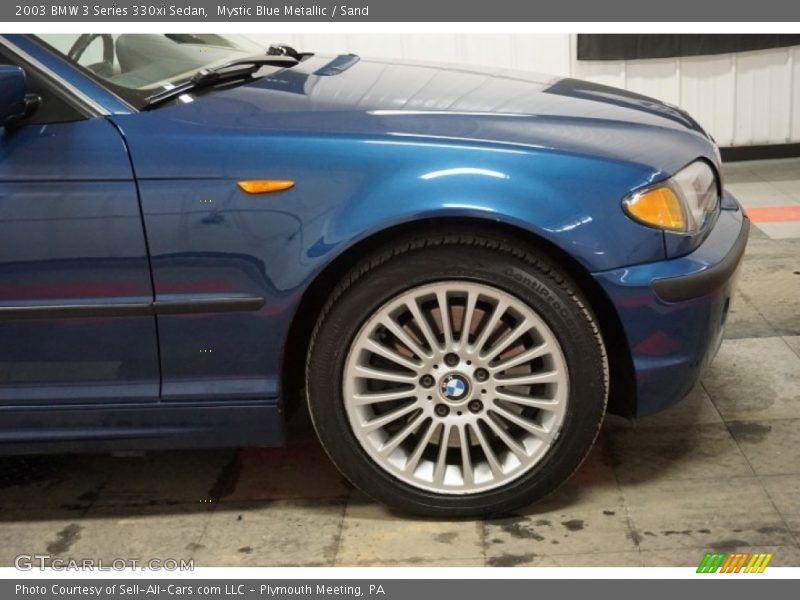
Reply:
x=352, y=96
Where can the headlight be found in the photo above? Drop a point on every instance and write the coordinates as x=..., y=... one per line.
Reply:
x=681, y=203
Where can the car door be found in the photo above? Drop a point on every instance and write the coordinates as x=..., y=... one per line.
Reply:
x=76, y=322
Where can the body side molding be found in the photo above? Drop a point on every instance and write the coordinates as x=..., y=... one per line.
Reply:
x=143, y=309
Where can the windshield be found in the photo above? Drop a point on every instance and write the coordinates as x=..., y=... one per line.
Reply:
x=136, y=66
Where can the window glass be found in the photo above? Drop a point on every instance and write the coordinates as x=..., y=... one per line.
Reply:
x=136, y=66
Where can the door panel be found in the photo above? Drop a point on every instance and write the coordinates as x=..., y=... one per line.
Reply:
x=76, y=321
x=209, y=240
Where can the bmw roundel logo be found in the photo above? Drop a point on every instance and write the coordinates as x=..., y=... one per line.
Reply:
x=454, y=387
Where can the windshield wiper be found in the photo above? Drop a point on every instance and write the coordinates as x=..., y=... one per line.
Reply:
x=236, y=69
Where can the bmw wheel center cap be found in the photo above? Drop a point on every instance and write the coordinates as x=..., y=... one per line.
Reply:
x=454, y=387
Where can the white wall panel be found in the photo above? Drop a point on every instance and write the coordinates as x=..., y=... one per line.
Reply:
x=444, y=48
x=543, y=53
x=657, y=78
x=763, y=84
x=494, y=49
x=708, y=88
x=378, y=46
x=748, y=98
x=610, y=72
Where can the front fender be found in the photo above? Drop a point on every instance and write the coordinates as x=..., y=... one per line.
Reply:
x=348, y=188
x=571, y=201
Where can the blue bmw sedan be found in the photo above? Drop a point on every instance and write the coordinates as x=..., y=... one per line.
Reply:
x=459, y=271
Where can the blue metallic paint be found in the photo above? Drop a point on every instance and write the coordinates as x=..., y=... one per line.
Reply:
x=71, y=234
x=672, y=342
x=370, y=146
x=87, y=428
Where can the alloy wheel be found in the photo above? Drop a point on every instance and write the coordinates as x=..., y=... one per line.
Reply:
x=455, y=387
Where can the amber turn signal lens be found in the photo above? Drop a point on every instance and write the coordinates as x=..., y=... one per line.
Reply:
x=265, y=186
x=659, y=207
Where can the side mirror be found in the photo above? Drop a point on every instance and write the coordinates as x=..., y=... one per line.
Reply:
x=15, y=104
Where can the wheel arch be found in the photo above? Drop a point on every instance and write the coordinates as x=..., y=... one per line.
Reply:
x=622, y=392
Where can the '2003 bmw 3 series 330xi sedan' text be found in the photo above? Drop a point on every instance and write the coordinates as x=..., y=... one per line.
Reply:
x=459, y=270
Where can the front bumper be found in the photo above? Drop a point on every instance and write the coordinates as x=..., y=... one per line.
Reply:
x=673, y=312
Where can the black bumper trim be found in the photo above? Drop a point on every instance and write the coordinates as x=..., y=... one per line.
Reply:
x=686, y=287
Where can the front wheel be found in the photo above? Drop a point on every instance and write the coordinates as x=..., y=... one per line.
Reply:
x=457, y=376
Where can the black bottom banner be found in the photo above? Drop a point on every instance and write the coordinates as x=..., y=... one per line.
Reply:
x=393, y=589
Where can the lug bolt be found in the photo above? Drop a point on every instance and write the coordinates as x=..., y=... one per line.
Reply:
x=427, y=381
x=451, y=360
x=481, y=374
x=475, y=406
x=442, y=410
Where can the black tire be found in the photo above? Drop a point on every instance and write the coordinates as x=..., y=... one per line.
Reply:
x=483, y=258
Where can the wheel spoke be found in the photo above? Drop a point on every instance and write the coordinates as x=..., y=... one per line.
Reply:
x=391, y=444
x=498, y=312
x=444, y=316
x=382, y=375
x=466, y=459
x=508, y=339
x=510, y=442
x=441, y=459
x=529, y=379
x=413, y=460
x=393, y=356
x=423, y=325
x=521, y=358
x=390, y=417
x=491, y=459
x=401, y=334
x=378, y=397
x=469, y=313
x=525, y=424
x=541, y=403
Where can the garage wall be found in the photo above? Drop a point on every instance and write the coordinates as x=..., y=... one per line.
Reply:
x=742, y=99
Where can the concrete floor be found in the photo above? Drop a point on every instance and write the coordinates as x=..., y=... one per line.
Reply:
x=720, y=471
